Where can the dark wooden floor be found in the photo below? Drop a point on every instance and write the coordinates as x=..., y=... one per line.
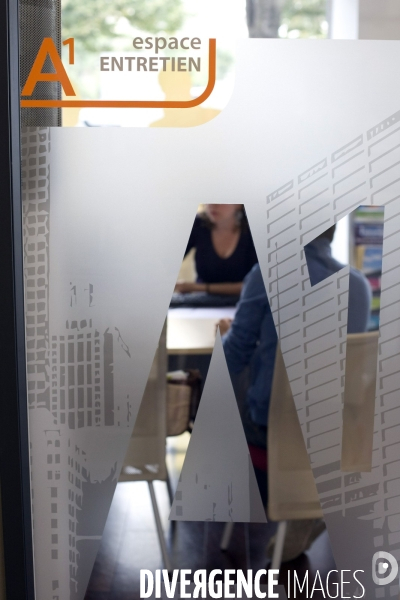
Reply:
x=130, y=542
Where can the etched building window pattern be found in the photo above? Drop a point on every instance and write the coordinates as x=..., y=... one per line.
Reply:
x=36, y=207
x=70, y=374
x=367, y=235
x=74, y=505
x=76, y=357
x=77, y=361
x=366, y=231
x=362, y=172
x=53, y=451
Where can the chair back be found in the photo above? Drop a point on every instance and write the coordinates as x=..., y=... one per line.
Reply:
x=359, y=402
x=291, y=486
x=145, y=458
x=292, y=493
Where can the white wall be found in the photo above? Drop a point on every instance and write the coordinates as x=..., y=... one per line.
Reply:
x=379, y=19
x=364, y=19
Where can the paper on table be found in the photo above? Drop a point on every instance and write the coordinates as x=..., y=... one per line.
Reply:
x=227, y=312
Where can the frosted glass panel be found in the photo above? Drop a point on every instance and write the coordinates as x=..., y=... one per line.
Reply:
x=107, y=217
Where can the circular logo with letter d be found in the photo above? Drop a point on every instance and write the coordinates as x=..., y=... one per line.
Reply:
x=384, y=568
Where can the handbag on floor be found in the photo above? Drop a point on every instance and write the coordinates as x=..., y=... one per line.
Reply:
x=183, y=397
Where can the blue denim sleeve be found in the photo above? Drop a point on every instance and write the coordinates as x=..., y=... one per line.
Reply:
x=241, y=340
x=360, y=296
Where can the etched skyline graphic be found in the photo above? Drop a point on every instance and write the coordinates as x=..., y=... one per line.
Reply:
x=72, y=396
x=312, y=325
x=75, y=463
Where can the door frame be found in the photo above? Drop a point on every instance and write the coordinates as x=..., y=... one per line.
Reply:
x=14, y=437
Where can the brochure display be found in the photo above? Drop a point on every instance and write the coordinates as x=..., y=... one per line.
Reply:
x=368, y=237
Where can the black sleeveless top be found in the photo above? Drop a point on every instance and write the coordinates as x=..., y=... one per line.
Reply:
x=210, y=267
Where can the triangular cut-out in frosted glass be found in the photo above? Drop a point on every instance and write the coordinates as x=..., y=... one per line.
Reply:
x=217, y=482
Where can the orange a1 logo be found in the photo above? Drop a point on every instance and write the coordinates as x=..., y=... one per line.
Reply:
x=48, y=49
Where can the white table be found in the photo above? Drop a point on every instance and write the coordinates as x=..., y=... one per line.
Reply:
x=192, y=330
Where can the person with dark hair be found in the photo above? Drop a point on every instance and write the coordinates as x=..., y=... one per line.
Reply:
x=251, y=339
x=225, y=250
